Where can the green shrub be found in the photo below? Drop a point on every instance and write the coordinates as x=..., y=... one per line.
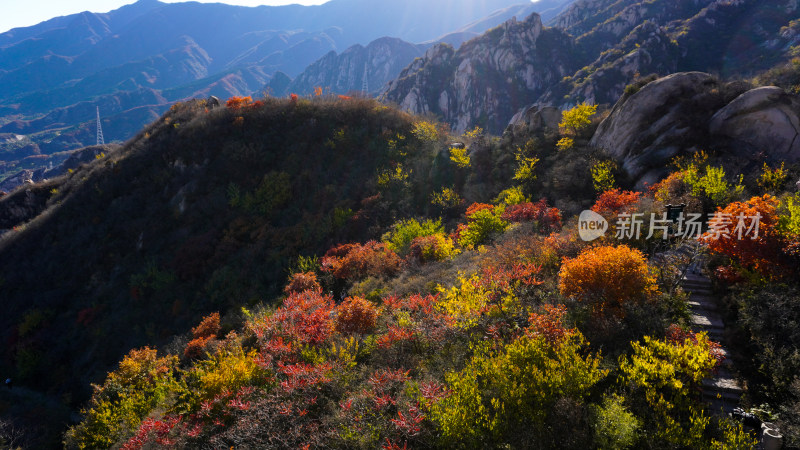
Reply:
x=712, y=184
x=481, y=226
x=614, y=426
x=405, y=231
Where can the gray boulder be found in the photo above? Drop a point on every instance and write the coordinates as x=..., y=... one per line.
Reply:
x=663, y=119
x=762, y=121
x=537, y=117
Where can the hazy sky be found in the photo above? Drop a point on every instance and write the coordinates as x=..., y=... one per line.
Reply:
x=23, y=13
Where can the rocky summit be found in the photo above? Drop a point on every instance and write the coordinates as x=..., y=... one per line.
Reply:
x=488, y=79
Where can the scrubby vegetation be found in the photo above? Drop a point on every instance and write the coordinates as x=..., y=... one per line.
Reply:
x=342, y=278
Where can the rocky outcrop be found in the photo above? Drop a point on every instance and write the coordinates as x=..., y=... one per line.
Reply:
x=647, y=129
x=21, y=206
x=685, y=112
x=762, y=120
x=380, y=61
x=489, y=78
x=537, y=118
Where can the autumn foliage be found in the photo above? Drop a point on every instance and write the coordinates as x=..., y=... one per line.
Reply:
x=548, y=219
x=302, y=281
x=437, y=247
x=304, y=318
x=238, y=102
x=355, y=261
x=356, y=315
x=615, y=201
x=607, y=277
x=202, y=335
x=762, y=253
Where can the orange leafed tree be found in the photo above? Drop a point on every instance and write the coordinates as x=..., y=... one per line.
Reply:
x=762, y=253
x=607, y=277
x=203, y=335
x=209, y=326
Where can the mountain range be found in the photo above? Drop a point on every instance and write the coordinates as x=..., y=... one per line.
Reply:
x=135, y=61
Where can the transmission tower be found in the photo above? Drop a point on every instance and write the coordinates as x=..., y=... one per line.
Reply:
x=100, y=140
x=364, y=84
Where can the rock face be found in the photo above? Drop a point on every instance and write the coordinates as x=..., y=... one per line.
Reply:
x=762, y=120
x=646, y=49
x=536, y=118
x=21, y=206
x=381, y=61
x=685, y=112
x=489, y=78
x=623, y=40
x=647, y=129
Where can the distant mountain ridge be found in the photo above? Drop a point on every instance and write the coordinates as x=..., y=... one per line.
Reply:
x=135, y=61
x=384, y=59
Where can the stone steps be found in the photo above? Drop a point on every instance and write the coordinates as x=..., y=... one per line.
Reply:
x=722, y=392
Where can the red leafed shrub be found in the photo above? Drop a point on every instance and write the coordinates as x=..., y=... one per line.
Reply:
x=615, y=201
x=409, y=423
x=238, y=102
x=159, y=430
x=293, y=98
x=550, y=324
x=304, y=318
x=548, y=219
x=302, y=376
x=395, y=335
x=300, y=282
x=414, y=303
x=356, y=315
x=355, y=261
x=209, y=327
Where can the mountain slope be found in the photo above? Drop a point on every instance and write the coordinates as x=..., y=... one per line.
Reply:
x=201, y=211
